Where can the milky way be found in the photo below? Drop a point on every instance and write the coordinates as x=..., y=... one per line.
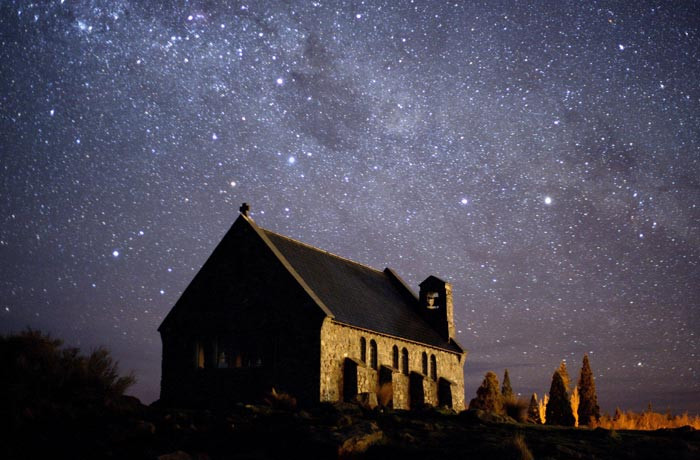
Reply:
x=544, y=158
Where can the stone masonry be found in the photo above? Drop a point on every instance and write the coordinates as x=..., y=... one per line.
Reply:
x=339, y=341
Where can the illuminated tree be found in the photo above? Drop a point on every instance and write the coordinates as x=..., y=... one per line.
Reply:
x=588, y=410
x=559, y=408
x=565, y=376
x=488, y=397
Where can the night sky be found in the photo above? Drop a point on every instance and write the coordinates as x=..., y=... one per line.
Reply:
x=544, y=157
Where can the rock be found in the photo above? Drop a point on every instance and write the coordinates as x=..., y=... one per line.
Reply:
x=177, y=455
x=145, y=428
x=358, y=438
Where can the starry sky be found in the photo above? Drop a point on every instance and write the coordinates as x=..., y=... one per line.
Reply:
x=544, y=157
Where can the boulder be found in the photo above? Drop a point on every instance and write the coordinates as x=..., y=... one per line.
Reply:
x=358, y=438
x=177, y=455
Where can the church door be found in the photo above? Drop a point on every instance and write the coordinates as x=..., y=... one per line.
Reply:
x=415, y=390
x=444, y=393
x=349, y=380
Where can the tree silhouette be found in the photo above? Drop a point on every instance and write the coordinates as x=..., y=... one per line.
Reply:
x=565, y=376
x=506, y=389
x=38, y=371
x=588, y=410
x=488, y=397
x=559, y=408
x=533, y=410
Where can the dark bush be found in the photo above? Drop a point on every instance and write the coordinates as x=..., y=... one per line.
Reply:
x=38, y=372
x=516, y=409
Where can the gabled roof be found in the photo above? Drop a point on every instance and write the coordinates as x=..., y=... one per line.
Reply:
x=345, y=291
x=357, y=295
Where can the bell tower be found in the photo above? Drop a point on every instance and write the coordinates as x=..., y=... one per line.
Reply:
x=435, y=305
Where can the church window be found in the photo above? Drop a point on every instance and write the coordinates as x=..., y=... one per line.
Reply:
x=433, y=367
x=424, y=362
x=199, y=355
x=373, y=354
x=404, y=361
x=363, y=349
x=395, y=357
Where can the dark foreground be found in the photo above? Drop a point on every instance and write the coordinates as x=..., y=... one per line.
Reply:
x=130, y=430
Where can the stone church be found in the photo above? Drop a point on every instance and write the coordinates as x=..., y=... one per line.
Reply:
x=266, y=311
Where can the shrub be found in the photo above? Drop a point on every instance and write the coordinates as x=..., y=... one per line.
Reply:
x=488, y=396
x=385, y=395
x=515, y=449
x=37, y=371
x=647, y=420
x=516, y=409
x=281, y=400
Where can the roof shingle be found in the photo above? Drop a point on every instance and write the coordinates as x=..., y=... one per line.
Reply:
x=358, y=295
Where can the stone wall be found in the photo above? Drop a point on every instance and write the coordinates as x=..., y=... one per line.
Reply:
x=245, y=296
x=339, y=341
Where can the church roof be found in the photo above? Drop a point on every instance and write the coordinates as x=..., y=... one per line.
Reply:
x=358, y=295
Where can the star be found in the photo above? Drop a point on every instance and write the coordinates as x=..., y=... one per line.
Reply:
x=449, y=132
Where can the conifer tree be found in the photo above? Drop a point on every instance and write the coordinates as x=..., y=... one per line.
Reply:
x=506, y=389
x=488, y=398
x=617, y=415
x=533, y=411
x=574, y=400
x=588, y=410
x=565, y=376
x=542, y=406
x=559, y=407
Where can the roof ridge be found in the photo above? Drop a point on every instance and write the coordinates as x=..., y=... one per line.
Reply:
x=323, y=251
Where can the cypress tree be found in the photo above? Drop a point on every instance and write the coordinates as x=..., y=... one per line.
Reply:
x=533, y=411
x=488, y=398
x=506, y=389
x=559, y=408
x=565, y=376
x=588, y=409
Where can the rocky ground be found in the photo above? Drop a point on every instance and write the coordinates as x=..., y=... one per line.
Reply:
x=127, y=429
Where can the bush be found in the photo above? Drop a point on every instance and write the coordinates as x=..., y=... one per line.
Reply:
x=515, y=449
x=281, y=400
x=516, y=409
x=648, y=420
x=488, y=396
x=385, y=395
x=37, y=372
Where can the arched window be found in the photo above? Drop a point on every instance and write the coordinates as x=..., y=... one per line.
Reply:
x=199, y=355
x=373, y=354
x=433, y=367
x=404, y=361
x=395, y=357
x=424, y=361
x=363, y=349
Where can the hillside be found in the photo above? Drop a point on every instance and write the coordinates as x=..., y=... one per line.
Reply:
x=127, y=429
